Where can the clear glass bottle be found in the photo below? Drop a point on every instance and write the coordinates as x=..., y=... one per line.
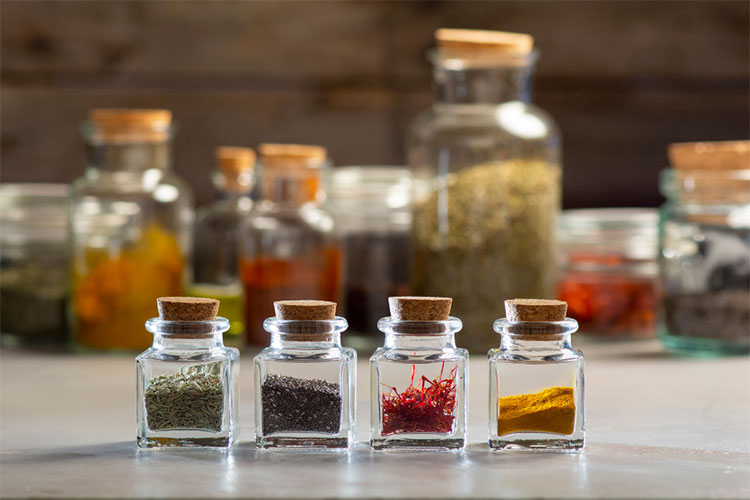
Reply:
x=487, y=180
x=130, y=226
x=187, y=381
x=305, y=381
x=704, y=249
x=216, y=238
x=419, y=381
x=609, y=271
x=35, y=265
x=371, y=206
x=289, y=246
x=536, y=386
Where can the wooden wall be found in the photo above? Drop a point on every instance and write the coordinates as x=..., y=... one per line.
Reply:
x=623, y=79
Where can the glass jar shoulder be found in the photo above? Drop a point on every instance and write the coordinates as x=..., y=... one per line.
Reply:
x=385, y=354
x=535, y=356
x=272, y=218
x=211, y=355
x=308, y=354
x=164, y=188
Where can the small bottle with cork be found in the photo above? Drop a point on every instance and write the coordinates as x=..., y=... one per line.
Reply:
x=536, y=379
x=419, y=378
x=187, y=382
x=305, y=381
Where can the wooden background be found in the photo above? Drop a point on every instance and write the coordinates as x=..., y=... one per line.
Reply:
x=623, y=79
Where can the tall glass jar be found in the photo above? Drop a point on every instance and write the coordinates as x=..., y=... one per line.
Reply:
x=35, y=264
x=704, y=245
x=371, y=206
x=305, y=381
x=419, y=378
x=289, y=247
x=130, y=228
x=216, y=238
x=487, y=176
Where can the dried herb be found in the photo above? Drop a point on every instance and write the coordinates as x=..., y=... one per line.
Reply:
x=300, y=405
x=192, y=398
x=426, y=407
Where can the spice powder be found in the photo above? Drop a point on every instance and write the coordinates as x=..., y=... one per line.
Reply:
x=551, y=410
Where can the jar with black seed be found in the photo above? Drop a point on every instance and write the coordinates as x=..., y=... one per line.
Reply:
x=305, y=380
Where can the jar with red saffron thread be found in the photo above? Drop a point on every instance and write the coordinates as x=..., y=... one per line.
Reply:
x=419, y=378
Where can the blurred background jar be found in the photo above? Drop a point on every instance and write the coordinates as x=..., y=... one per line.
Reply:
x=131, y=221
x=371, y=206
x=289, y=248
x=35, y=264
x=705, y=248
x=216, y=238
x=487, y=181
x=608, y=270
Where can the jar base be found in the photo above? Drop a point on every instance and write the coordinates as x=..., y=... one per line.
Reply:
x=694, y=346
x=302, y=442
x=155, y=442
x=396, y=443
x=553, y=445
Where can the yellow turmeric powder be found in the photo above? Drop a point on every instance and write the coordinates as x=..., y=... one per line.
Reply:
x=550, y=410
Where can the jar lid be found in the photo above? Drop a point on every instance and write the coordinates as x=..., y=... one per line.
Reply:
x=292, y=155
x=235, y=160
x=458, y=42
x=420, y=308
x=130, y=125
x=730, y=155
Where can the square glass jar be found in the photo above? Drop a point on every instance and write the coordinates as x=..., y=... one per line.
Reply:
x=187, y=386
x=418, y=388
x=305, y=384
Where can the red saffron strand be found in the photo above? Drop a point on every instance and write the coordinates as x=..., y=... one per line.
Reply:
x=425, y=408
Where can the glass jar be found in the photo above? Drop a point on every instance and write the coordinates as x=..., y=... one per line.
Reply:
x=305, y=384
x=130, y=226
x=35, y=264
x=487, y=180
x=609, y=272
x=289, y=249
x=419, y=381
x=371, y=206
x=536, y=387
x=704, y=261
x=216, y=238
x=187, y=384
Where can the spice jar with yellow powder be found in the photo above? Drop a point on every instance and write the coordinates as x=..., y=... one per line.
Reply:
x=130, y=228
x=536, y=379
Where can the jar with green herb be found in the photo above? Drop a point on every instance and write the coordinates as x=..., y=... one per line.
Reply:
x=487, y=181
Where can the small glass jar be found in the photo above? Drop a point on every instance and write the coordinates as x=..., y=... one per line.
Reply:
x=536, y=387
x=305, y=384
x=371, y=206
x=419, y=382
x=35, y=264
x=608, y=270
x=187, y=385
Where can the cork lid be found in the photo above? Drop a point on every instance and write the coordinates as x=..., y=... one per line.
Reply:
x=535, y=310
x=467, y=42
x=187, y=308
x=234, y=161
x=420, y=308
x=292, y=155
x=122, y=124
x=305, y=310
x=726, y=155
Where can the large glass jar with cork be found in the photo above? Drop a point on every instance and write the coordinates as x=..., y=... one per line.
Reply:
x=305, y=381
x=130, y=228
x=289, y=246
x=187, y=382
x=216, y=237
x=487, y=180
x=536, y=379
x=419, y=378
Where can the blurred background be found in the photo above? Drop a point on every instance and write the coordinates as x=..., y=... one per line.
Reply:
x=622, y=79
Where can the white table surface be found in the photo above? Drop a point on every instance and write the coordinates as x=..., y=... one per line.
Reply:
x=657, y=426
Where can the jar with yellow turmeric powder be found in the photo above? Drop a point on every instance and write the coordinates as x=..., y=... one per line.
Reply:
x=536, y=379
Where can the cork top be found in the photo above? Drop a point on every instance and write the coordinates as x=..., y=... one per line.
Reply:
x=535, y=310
x=420, y=308
x=463, y=42
x=726, y=155
x=305, y=310
x=187, y=308
x=292, y=155
x=234, y=161
x=121, y=124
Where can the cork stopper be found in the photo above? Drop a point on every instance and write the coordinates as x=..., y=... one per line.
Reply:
x=464, y=43
x=304, y=310
x=420, y=308
x=120, y=124
x=725, y=155
x=535, y=310
x=292, y=155
x=187, y=308
x=234, y=161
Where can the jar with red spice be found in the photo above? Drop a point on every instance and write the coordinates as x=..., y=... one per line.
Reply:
x=609, y=272
x=419, y=378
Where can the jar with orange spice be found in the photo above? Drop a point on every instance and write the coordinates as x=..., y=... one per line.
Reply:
x=289, y=249
x=130, y=228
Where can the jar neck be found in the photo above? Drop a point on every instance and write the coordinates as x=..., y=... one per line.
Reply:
x=179, y=342
x=232, y=186
x=419, y=335
x=305, y=341
x=130, y=157
x=419, y=342
x=291, y=190
x=462, y=84
x=305, y=334
x=535, y=336
x=187, y=335
x=554, y=343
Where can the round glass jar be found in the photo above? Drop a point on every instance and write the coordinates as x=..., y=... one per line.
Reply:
x=608, y=270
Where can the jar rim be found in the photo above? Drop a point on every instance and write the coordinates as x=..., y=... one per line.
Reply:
x=159, y=326
x=314, y=328
x=391, y=326
x=535, y=330
x=482, y=60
